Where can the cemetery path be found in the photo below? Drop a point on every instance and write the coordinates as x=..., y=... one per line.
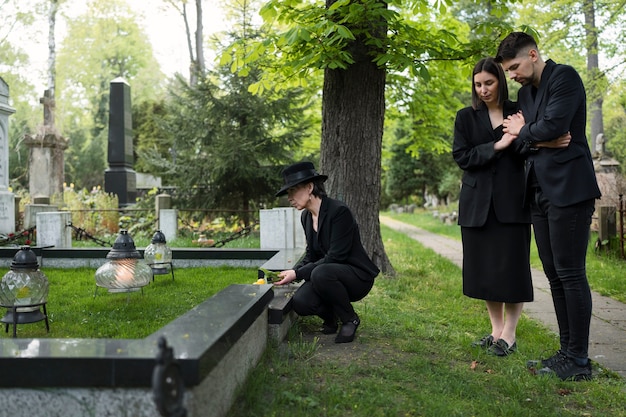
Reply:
x=608, y=322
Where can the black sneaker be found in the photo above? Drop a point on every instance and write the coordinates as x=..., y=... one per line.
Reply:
x=546, y=363
x=567, y=369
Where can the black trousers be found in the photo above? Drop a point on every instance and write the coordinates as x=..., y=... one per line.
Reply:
x=330, y=291
x=562, y=236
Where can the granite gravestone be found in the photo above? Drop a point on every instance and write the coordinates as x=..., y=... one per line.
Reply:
x=7, y=199
x=120, y=178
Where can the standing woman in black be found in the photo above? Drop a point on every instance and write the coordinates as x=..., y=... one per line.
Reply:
x=336, y=268
x=495, y=226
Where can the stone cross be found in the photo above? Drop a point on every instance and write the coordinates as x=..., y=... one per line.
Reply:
x=48, y=108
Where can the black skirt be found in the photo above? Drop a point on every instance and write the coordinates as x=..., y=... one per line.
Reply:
x=496, y=264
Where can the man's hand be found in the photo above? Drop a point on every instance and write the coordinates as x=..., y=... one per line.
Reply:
x=560, y=142
x=514, y=123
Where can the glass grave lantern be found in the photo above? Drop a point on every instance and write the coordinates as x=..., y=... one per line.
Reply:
x=125, y=269
x=158, y=255
x=24, y=291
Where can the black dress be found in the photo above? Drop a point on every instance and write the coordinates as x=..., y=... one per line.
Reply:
x=496, y=264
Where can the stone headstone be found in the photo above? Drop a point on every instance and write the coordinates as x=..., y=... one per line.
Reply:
x=7, y=198
x=52, y=229
x=168, y=223
x=46, y=161
x=31, y=210
x=120, y=178
x=281, y=228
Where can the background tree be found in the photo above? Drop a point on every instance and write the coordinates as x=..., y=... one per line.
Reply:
x=226, y=145
x=102, y=44
x=579, y=33
x=195, y=43
x=14, y=66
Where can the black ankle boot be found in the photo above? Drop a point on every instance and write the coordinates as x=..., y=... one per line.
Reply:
x=348, y=331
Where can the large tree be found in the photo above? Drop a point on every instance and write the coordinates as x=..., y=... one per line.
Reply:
x=357, y=43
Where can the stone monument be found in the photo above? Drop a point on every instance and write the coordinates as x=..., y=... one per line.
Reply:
x=46, y=164
x=7, y=199
x=120, y=178
x=611, y=186
x=606, y=168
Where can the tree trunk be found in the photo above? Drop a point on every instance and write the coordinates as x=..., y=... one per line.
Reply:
x=52, y=18
x=353, y=113
x=593, y=70
x=199, y=38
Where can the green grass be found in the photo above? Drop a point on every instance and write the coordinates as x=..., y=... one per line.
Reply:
x=605, y=270
x=413, y=357
x=251, y=240
x=74, y=312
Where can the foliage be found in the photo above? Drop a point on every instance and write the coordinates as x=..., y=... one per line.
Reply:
x=615, y=122
x=93, y=211
x=311, y=36
x=227, y=145
x=14, y=66
x=110, y=44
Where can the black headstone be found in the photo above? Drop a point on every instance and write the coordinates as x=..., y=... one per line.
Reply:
x=120, y=178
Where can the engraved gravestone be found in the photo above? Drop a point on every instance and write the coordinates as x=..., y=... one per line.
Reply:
x=120, y=178
x=7, y=198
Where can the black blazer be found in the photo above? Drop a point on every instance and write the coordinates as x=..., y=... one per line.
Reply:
x=566, y=176
x=337, y=241
x=489, y=177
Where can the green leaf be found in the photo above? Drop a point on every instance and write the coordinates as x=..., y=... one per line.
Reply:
x=345, y=32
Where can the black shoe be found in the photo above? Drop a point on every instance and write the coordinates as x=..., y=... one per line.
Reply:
x=502, y=348
x=567, y=369
x=485, y=342
x=329, y=328
x=546, y=363
x=348, y=331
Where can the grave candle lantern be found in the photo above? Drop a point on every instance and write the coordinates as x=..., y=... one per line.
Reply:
x=125, y=270
x=158, y=255
x=24, y=290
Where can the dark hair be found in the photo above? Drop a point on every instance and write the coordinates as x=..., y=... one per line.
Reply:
x=318, y=188
x=513, y=44
x=489, y=65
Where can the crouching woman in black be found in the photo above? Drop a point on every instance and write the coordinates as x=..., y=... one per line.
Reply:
x=336, y=269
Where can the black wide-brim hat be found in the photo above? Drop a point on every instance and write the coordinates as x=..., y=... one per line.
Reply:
x=297, y=174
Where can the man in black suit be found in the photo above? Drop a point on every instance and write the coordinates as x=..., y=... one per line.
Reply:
x=561, y=188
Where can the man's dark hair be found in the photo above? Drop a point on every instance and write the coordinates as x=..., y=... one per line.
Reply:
x=513, y=44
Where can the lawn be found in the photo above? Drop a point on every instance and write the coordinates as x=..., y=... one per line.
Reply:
x=74, y=311
x=413, y=357
x=605, y=269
